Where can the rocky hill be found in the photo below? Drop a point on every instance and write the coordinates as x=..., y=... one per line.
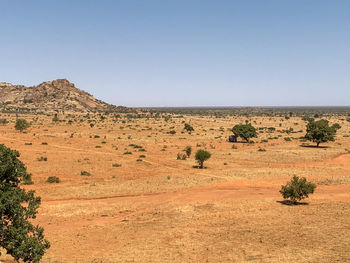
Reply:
x=57, y=95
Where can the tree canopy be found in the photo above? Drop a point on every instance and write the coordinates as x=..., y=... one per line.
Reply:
x=320, y=131
x=21, y=125
x=297, y=189
x=201, y=157
x=245, y=131
x=18, y=236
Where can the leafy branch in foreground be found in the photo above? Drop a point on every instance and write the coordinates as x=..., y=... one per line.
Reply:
x=18, y=236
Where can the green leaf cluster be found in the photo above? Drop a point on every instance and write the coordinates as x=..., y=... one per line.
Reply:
x=297, y=189
x=18, y=236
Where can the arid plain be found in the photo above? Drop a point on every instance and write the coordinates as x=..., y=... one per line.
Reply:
x=124, y=197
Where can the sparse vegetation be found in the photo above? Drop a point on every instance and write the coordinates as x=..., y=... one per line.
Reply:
x=85, y=173
x=117, y=186
x=42, y=158
x=53, y=179
x=188, y=151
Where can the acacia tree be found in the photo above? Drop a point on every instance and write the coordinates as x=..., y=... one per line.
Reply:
x=297, y=189
x=201, y=157
x=320, y=131
x=21, y=125
x=18, y=236
x=245, y=131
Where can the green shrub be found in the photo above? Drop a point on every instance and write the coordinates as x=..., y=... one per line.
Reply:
x=181, y=156
x=21, y=125
x=27, y=179
x=85, y=173
x=188, y=151
x=297, y=189
x=53, y=179
x=42, y=158
x=201, y=157
x=188, y=128
x=135, y=146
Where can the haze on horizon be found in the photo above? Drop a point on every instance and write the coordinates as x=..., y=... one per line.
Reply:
x=183, y=53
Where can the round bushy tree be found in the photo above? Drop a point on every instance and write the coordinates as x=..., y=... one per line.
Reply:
x=18, y=236
x=201, y=157
x=320, y=131
x=21, y=125
x=188, y=128
x=297, y=189
x=245, y=131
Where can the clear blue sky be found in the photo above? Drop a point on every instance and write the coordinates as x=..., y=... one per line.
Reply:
x=182, y=52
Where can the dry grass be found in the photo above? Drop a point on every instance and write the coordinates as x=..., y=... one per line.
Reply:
x=163, y=210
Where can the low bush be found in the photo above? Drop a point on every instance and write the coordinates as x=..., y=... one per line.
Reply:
x=85, y=173
x=42, y=159
x=53, y=179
